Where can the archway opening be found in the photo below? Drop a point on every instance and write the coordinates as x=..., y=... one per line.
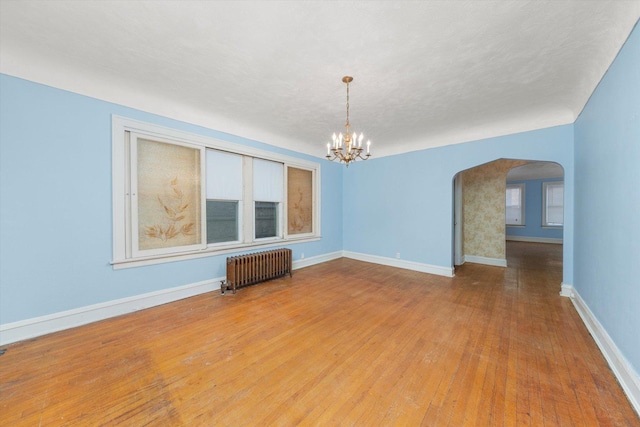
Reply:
x=484, y=223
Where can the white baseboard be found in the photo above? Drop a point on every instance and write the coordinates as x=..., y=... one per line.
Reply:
x=566, y=290
x=306, y=262
x=554, y=240
x=30, y=328
x=461, y=260
x=407, y=265
x=34, y=327
x=498, y=262
x=627, y=377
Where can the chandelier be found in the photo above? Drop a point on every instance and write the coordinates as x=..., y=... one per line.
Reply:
x=347, y=147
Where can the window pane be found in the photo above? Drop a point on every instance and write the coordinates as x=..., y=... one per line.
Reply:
x=222, y=221
x=555, y=215
x=513, y=208
x=554, y=199
x=266, y=219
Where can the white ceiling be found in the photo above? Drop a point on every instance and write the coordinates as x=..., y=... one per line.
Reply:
x=535, y=170
x=426, y=74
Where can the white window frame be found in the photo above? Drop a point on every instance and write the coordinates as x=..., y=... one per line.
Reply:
x=122, y=127
x=545, y=223
x=521, y=186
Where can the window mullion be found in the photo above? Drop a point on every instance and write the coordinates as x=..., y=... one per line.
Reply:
x=248, y=210
x=127, y=194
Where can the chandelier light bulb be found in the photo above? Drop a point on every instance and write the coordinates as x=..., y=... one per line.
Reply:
x=353, y=149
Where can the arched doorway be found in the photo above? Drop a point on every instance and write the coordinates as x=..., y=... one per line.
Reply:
x=479, y=221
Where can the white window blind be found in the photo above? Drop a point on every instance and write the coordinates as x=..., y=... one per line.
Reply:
x=268, y=181
x=554, y=203
x=224, y=175
x=514, y=209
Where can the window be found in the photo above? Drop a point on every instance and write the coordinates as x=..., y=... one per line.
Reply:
x=268, y=179
x=166, y=196
x=514, y=209
x=553, y=204
x=300, y=197
x=180, y=196
x=266, y=220
x=222, y=221
x=224, y=196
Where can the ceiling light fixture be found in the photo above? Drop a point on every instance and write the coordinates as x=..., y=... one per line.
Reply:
x=347, y=147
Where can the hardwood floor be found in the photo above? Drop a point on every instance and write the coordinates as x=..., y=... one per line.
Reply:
x=340, y=343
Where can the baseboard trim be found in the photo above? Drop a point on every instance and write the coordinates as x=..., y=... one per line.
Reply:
x=623, y=371
x=306, y=262
x=37, y=326
x=407, y=265
x=566, y=290
x=498, y=262
x=554, y=240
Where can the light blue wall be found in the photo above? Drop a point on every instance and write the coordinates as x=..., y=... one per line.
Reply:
x=403, y=203
x=533, y=212
x=607, y=201
x=56, y=202
x=55, y=205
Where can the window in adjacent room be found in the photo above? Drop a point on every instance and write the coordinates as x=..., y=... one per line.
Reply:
x=514, y=209
x=553, y=204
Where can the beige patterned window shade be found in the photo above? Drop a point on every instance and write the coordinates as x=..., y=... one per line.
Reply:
x=299, y=201
x=166, y=197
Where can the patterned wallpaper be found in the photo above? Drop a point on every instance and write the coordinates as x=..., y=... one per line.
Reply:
x=483, y=193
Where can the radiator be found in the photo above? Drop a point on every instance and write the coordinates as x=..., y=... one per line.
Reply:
x=249, y=269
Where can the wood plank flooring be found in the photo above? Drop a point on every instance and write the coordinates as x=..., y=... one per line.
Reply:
x=344, y=343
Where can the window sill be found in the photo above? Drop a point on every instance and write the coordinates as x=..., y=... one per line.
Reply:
x=209, y=252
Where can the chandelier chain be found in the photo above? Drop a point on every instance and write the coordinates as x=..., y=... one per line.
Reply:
x=347, y=106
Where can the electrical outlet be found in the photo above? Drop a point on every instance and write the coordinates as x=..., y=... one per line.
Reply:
x=302, y=255
x=398, y=255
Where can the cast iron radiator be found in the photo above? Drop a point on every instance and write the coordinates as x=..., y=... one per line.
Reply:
x=249, y=269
